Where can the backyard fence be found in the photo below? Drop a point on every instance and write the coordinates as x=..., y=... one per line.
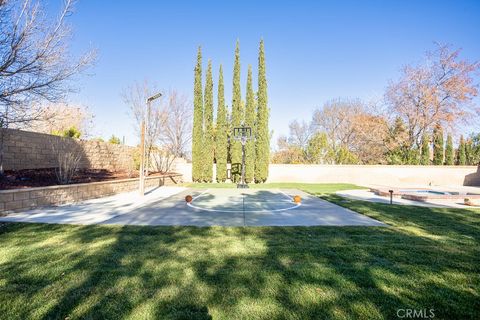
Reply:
x=394, y=175
x=33, y=150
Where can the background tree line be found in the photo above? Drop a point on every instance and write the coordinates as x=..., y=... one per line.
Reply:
x=419, y=121
x=212, y=138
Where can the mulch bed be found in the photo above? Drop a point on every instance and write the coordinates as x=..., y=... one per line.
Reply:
x=30, y=178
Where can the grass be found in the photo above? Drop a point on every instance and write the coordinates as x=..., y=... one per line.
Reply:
x=426, y=259
x=314, y=188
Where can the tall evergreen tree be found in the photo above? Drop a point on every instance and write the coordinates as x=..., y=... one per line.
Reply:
x=425, y=155
x=414, y=156
x=262, y=142
x=237, y=117
x=400, y=153
x=469, y=153
x=462, y=157
x=229, y=133
x=438, y=148
x=221, y=137
x=197, y=131
x=449, y=157
x=208, y=138
x=250, y=122
x=473, y=150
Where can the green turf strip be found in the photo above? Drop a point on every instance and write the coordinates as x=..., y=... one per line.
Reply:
x=314, y=188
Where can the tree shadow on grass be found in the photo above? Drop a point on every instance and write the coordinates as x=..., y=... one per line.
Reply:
x=367, y=279
x=117, y=281
x=441, y=221
x=247, y=273
x=105, y=283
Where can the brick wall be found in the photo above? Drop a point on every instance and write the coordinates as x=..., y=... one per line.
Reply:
x=23, y=199
x=32, y=150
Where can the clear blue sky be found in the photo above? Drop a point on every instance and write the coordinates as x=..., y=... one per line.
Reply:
x=315, y=50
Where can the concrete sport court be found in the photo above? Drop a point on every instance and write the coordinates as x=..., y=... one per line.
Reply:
x=210, y=207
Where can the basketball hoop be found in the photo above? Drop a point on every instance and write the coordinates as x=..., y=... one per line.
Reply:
x=242, y=134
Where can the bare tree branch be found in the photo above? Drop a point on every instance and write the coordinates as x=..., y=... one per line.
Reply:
x=439, y=92
x=35, y=62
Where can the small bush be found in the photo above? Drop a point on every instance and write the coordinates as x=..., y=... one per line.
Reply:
x=72, y=132
x=137, y=158
x=114, y=140
x=67, y=157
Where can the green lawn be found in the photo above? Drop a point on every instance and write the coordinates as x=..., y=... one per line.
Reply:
x=314, y=188
x=427, y=259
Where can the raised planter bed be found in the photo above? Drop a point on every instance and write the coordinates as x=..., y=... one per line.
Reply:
x=29, y=198
x=31, y=178
x=457, y=196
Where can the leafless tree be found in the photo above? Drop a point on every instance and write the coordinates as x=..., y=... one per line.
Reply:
x=59, y=117
x=135, y=97
x=168, y=127
x=177, y=125
x=337, y=120
x=35, y=63
x=300, y=133
x=353, y=126
x=173, y=118
x=287, y=152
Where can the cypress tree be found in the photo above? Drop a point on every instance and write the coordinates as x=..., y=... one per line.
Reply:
x=462, y=156
x=237, y=117
x=197, y=130
x=250, y=122
x=414, y=156
x=262, y=143
x=425, y=156
x=438, y=145
x=449, y=151
x=469, y=153
x=221, y=137
x=207, y=147
x=399, y=154
x=229, y=133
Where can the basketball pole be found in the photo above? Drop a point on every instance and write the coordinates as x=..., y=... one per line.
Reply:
x=243, y=163
x=141, y=186
x=142, y=160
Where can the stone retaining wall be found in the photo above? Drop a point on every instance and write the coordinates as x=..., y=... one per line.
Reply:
x=29, y=198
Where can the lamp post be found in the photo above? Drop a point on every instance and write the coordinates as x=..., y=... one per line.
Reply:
x=142, y=143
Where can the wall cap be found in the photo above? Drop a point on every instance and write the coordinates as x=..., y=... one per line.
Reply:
x=97, y=183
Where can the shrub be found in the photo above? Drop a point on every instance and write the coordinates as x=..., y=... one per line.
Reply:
x=72, y=132
x=114, y=140
x=136, y=158
x=67, y=156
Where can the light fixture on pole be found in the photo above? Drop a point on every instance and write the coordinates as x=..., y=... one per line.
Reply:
x=142, y=143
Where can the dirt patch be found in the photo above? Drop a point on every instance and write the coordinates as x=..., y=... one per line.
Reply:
x=18, y=179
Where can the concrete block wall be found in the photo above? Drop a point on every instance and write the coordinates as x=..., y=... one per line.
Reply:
x=104, y=155
x=29, y=198
x=366, y=175
x=32, y=150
